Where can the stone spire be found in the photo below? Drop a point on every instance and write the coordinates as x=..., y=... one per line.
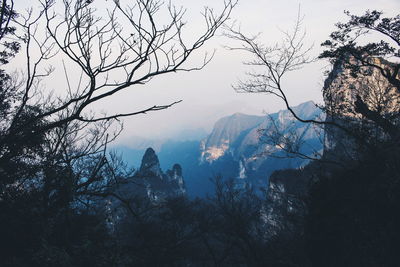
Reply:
x=150, y=164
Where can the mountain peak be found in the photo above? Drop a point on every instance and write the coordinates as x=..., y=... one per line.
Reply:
x=309, y=103
x=238, y=114
x=304, y=110
x=150, y=163
x=225, y=131
x=177, y=169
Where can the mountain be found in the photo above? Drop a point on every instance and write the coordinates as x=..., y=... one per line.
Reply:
x=366, y=102
x=159, y=185
x=285, y=207
x=239, y=134
x=225, y=132
x=330, y=193
x=244, y=142
x=151, y=182
x=148, y=186
x=237, y=148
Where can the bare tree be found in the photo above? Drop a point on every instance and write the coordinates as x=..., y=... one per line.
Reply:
x=53, y=148
x=123, y=48
x=289, y=137
x=270, y=64
x=110, y=57
x=361, y=103
x=378, y=58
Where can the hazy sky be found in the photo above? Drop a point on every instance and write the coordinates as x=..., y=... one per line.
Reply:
x=207, y=94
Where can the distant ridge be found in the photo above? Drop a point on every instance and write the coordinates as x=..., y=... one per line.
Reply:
x=233, y=149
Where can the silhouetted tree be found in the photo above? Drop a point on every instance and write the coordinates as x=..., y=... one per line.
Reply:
x=352, y=218
x=54, y=165
x=273, y=63
x=352, y=210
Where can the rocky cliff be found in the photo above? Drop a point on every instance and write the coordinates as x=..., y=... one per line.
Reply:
x=150, y=183
x=288, y=190
x=159, y=185
x=147, y=187
x=226, y=133
x=358, y=101
x=240, y=142
x=234, y=149
x=286, y=205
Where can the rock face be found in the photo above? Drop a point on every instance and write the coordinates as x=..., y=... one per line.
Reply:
x=159, y=185
x=342, y=90
x=150, y=164
x=151, y=183
x=148, y=186
x=225, y=133
x=235, y=142
x=233, y=149
x=175, y=179
x=286, y=205
x=288, y=189
x=342, y=87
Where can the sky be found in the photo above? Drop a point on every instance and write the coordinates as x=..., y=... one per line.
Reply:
x=207, y=95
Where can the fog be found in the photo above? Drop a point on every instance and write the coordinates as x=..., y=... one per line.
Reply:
x=207, y=95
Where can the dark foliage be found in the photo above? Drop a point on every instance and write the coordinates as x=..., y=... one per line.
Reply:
x=353, y=219
x=352, y=211
x=51, y=186
x=226, y=229
x=54, y=169
x=34, y=234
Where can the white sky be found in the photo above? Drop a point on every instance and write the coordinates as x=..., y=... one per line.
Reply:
x=207, y=95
